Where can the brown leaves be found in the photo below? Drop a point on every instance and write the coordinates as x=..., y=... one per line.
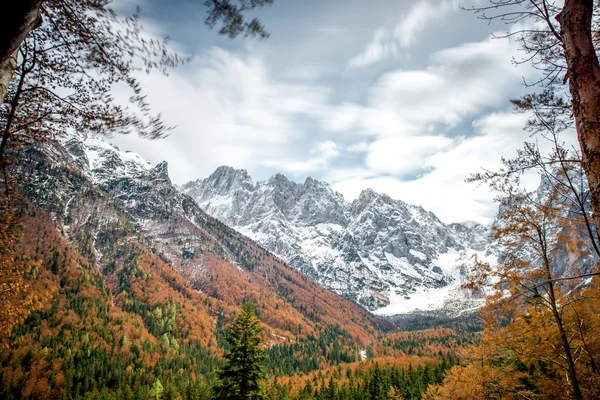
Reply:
x=17, y=271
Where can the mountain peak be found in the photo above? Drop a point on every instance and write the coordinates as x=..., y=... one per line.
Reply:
x=309, y=181
x=365, y=198
x=314, y=184
x=103, y=160
x=367, y=195
x=227, y=179
x=279, y=178
x=161, y=171
x=226, y=170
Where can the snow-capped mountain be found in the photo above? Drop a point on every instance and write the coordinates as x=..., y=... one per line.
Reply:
x=103, y=161
x=389, y=256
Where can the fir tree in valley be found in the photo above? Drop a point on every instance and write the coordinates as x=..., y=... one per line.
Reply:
x=241, y=375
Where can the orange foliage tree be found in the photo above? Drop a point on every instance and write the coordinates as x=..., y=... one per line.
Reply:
x=540, y=337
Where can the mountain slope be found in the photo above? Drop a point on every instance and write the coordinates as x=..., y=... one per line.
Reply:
x=376, y=251
x=191, y=241
x=134, y=273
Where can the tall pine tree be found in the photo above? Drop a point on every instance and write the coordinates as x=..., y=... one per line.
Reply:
x=240, y=376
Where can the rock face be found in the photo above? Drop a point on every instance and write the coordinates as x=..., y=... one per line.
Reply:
x=377, y=251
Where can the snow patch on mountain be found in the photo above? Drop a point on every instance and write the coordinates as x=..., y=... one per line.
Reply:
x=101, y=160
x=451, y=298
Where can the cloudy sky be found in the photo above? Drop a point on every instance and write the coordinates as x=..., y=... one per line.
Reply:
x=407, y=97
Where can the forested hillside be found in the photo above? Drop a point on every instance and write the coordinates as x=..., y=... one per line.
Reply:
x=78, y=337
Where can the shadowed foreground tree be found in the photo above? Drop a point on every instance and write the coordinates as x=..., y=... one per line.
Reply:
x=62, y=74
x=241, y=375
x=563, y=52
x=583, y=73
x=21, y=17
x=25, y=15
x=66, y=74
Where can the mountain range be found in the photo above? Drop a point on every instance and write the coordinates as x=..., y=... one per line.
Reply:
x=387, y=255
x=383, y=254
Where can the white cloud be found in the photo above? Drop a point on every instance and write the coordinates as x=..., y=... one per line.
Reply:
x=443, y=189
x=408, y=114
x=344, y=117
x=458, y=82
x=228, y=110
x=320, y=156
x=381, y=46
x=391, y=42
x=307, y=72
x=404, y=155
x=417, y=19
x=360, y=147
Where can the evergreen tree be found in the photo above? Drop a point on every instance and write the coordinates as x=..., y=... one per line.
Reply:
x=240, y=376
x=377, y=387
x=157, y=390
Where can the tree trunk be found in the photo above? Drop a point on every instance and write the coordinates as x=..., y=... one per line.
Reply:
x=571, y=371
x=18, y=19
x=584, y=84
x=14, y=103
x=7, y=70
x=566, y=345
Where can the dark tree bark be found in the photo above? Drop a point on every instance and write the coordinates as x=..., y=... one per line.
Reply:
x=584, y=84
x=583, y=73
x=18, y=19
x=7, y=69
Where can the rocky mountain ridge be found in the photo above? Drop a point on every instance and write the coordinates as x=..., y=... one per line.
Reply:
x=385, y=254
